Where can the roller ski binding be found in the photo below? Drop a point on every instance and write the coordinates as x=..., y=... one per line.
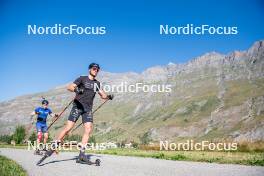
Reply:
x=38, y=152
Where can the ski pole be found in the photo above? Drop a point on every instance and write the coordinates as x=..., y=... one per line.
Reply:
x=60, y=114
x=92, y=114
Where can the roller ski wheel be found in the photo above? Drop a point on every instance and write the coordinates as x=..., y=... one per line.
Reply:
x=97, y=162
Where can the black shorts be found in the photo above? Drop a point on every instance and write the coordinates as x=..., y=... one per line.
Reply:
x=77, y=111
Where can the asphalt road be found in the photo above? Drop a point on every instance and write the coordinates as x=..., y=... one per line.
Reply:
x=64, y=164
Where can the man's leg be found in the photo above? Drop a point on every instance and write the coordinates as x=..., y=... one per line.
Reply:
x=69, y=126
x=46, y=136
x=87, y=120
x=62, y=134
x=88, y=127
x=73, y=117
x=38, y=142
x=39, y=137
x=39, y=133
x=44, y=129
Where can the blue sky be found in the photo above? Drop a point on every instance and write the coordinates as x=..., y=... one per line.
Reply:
x=32, y=64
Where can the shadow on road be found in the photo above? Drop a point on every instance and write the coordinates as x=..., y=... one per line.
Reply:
x=74, y=158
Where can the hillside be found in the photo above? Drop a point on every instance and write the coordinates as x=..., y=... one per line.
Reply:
x=213, y=97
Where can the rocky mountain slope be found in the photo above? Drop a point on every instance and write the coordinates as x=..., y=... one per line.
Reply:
x=214, y=97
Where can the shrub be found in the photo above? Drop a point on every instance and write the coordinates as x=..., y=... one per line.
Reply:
x=145, y=139
x=6, y=138
x=134, y=144
x=19, y=135
x=158, y=156
x=32, y=137
x=178, y=157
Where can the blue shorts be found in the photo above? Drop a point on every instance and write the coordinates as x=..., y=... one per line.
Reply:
x=41, y=127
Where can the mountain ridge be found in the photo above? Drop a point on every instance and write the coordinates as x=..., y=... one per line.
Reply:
x=214, y=96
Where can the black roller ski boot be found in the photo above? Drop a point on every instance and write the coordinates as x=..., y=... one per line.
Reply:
x=84, y=159
x=37, y=152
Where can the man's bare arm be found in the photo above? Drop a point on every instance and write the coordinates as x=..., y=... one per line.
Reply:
x=105, y=96
x=102, y=94
x=31, y=116
x=71, y=87
x=53, y=115
x=33, y=113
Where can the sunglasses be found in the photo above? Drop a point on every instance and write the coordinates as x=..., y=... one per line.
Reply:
x=95, y=69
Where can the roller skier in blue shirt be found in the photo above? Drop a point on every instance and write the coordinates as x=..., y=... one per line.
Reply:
x=41, y=124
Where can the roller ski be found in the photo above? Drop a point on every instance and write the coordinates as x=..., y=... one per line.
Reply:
x=48, y=153
x=83, y=159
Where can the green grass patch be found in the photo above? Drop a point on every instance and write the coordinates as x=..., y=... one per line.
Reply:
x=236, y=157
x=244, y=158
x=257, y=161
x=10, y=168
